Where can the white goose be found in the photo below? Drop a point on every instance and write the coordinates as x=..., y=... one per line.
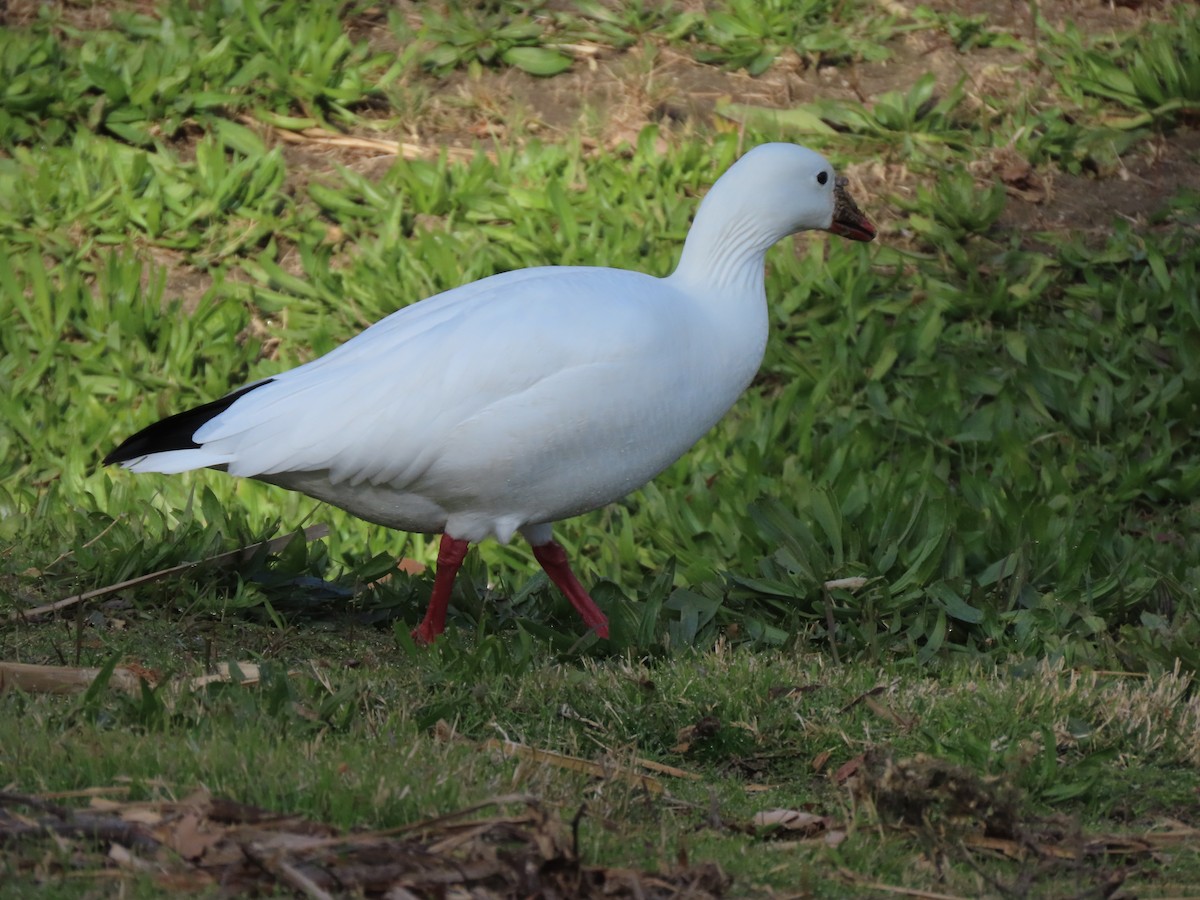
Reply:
x=551, y=391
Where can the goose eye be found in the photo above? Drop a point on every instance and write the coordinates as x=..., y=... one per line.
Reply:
x=822, y=178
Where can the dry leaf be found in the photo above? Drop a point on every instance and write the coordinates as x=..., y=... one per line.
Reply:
x=834, y=837
x=852, y=583
x=792, y=821
x=127, y=860
x=705, y=728
x=886, y=713
x=1018, y=175
x=878, y=689
x=410, y=566
x=847, y=769
x=188, y=837
x=142, y=815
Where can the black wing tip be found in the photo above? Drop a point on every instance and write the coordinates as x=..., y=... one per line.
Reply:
x=115, y=456
x=175, y=432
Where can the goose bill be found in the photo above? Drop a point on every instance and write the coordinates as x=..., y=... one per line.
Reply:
x=848, y=220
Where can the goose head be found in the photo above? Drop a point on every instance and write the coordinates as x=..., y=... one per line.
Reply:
x=773, y=191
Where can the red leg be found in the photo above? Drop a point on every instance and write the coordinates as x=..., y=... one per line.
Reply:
x=450, y=556
x=554, y=560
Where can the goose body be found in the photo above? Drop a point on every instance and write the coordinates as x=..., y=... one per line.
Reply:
x=527, y=397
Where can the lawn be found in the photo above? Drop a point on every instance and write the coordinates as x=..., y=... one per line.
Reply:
x=919, y=617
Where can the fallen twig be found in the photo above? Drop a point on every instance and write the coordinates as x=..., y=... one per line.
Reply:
x=277, y=865
x=33, y=679
x=37, y=679
x=444, y=732
x=352, y=142
x=312, y=533
x=65, y=821
x=574, y=763
x=856, y=879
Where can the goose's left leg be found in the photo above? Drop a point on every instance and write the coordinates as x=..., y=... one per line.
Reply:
x=553, y=558
x=451, y=552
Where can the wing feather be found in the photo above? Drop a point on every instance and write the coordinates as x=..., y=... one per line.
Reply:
x=384, y=406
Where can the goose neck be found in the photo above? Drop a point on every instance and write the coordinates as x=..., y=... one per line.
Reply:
x=725, y=256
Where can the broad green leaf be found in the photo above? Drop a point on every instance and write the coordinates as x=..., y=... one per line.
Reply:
x=240, y=138
x=797, y=120
x=537, y=60
x=954, y=605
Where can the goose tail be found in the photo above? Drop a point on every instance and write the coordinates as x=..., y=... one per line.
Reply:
x=168, y=446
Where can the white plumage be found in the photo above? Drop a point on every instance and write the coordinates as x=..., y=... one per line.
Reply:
x=527, y=397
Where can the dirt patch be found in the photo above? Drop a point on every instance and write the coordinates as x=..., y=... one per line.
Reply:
x=1139, y=192
x=959, y=815
x=1016, y=16
x=80, y=16
x=183, y=283
x=609, y=97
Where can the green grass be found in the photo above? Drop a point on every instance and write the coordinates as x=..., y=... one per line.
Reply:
x=994, y=427
x=1076, y=749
